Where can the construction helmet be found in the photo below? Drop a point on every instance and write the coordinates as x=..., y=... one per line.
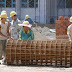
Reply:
x=70, y=19
x=4, y=15
x=0, y=16
x=3, y=12
x=27, y=16
x=12, y=13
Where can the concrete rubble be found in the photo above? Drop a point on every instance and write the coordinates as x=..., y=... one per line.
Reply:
x=45, y=32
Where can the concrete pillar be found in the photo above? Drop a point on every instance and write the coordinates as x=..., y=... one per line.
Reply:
x=47, y=11
x=18, y=8
x=51, y=10
x=42, y=11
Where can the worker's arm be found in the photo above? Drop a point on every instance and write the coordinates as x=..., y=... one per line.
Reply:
x=10, y=33
x=68, y=33
x=19, y=28
x=32, y=36
x=20, y=35
x=31, y=21
x=1, y=33
x=8, y=30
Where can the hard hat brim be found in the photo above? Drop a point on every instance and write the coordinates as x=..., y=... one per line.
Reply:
x=13, y=15
x=2, y=17
x=29, y=25
x=70, y=21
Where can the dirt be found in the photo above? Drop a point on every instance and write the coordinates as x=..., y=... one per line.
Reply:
x=5, y=68
x=43, y=31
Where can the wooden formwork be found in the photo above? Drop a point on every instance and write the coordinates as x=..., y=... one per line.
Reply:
x=52, y=52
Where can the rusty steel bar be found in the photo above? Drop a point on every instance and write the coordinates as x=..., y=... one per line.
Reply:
x=51, y=52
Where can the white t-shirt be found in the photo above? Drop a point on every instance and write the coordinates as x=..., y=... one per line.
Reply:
x=69, y=32
x=15, y=29
x=3, y=30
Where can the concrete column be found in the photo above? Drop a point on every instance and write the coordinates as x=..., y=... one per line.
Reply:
x=42, y=11
x=51, y=10
x=18, y=8
x=47, y=11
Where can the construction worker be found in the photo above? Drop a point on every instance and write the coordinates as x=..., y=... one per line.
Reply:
x=6, y=13
x=27, y=18
x=69, y=30
x=14, y=28
x=4, y=31
x=26, y=32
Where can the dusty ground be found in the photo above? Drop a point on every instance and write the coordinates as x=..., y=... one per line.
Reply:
x=5, y=68
x=46, y=32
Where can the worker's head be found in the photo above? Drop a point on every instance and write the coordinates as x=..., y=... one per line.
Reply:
x=70, y=19
x=27, y=16
x=3, y=17
x=25, y=25
x=13, y=15
x=3, y=12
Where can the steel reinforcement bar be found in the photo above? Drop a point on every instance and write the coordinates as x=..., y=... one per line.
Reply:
x=51, y=52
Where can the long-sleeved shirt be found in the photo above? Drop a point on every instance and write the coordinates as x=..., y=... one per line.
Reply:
x=15, y=29
x=26, y=36
x=29, y=20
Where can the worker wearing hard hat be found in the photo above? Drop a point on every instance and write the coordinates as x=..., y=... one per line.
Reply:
x=69, y=30
x=6, y=13
x=27, y=18
x=3, y=12
x=4, y=31
x=14, y=28
x=26, y=32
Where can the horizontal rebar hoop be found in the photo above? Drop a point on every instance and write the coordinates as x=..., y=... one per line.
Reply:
x=54, y=52
x=62, y=37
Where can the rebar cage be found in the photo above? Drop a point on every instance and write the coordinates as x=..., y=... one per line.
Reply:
x=51, y=52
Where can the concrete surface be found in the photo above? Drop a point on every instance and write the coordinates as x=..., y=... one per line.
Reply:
x=5, y=68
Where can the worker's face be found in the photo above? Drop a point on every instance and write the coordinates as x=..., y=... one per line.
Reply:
x=14, y=17
x=3, y=19
x=25, y=28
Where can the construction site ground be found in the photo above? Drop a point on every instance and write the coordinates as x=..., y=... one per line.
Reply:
x=42, y=32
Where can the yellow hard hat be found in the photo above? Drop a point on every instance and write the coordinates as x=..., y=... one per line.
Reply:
x=4, y=15
x=12, y=13
x=3, y=12
x=70, y=19
x=25, y=23
x=27, y=16
x=0, y=16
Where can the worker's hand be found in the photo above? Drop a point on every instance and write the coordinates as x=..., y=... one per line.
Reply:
x=11, y=38
x=19, y=39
